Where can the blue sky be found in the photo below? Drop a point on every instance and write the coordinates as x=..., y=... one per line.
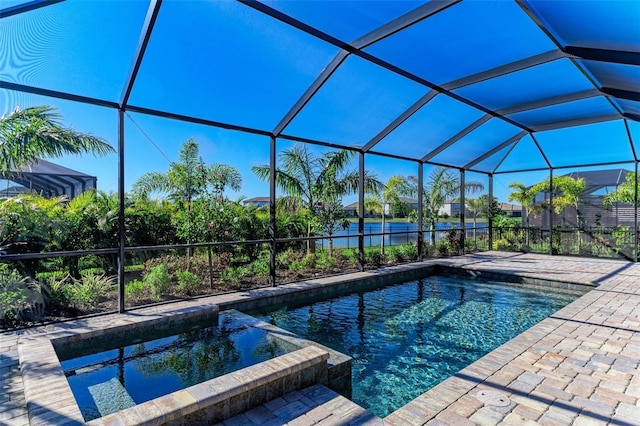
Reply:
x=223, y=61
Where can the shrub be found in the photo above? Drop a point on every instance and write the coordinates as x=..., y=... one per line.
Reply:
x=188, y=282
x=234, y=276
x=134, y=289
x=89, y=290
x=351, y=256
x=284, y=259
x=324, y=261
x=443, y=248
x=373, y=256
x=260, y=267
x=158, y=280
x=56, y=290
x=396, y=254
x=13, y=296
x=410, y=251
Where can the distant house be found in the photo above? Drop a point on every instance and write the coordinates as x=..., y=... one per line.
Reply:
x=351, y=210
x=256, y=201
x=598, y=184
x=510, y=210
x=450, y=208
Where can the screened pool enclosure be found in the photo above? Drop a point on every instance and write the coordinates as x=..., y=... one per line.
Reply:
x=490, y=90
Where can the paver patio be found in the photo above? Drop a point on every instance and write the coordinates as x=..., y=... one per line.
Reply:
x=579, y=366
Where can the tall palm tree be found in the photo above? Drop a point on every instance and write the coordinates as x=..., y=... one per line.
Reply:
x=188, y=178
x=396, y=187
x=475, y=206
x=30, y=133
x=525, y=196
x=315, y=180
x=442, y=184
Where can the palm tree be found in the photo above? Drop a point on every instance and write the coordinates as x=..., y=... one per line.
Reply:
x=30, y=133
x=441, y=185
x=189, y=178
x=395, y=187
x=475, y=206
x=526, y=196
x=315, y=180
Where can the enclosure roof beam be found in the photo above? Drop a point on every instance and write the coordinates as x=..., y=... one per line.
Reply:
x=504, y=157
x=408, y=19
x=145, y=35
x=196, y=120
x=512, y=140
x=416, y=15
x=542, y=25
x=261, y=7
x=400, y=119
x=544, y=156
x=604, y=55
x=55, y=94
x=26, y=7
x=576, y=122
x=512, y=67
x=464, y=132
x=622, y=94
x=547, y=102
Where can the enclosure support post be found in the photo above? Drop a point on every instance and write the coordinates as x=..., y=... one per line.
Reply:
x=551, y=212
x=420, y=224
x=490, y=212
x=635, y=215
x=272, y=211
x=462, y=211
x=121, y=233
x=361, y=211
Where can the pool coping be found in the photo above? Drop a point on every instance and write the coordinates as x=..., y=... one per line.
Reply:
x=443, y=403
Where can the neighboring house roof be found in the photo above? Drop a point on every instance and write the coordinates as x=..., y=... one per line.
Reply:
x=50, y=179
x=407, y=200
x=256, y=200
x=598, y=179
x=506, y=207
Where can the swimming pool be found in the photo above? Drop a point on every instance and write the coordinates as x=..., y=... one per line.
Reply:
x=113, y=379
x=407, y=338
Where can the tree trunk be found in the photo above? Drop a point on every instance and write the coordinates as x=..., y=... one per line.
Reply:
x=432, y=231
x=382, y=232
x=311, y=245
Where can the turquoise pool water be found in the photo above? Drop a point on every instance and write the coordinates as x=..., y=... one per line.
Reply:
x=407, y=338
x=118, y=378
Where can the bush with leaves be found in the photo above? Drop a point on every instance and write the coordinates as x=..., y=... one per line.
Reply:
x=188, y=282
x=159, y=281
x=134, y=290
x=89, y=290
x=234, y=276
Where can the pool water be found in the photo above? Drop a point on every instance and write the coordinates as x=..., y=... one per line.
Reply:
x=407, y=338
x=119, y=378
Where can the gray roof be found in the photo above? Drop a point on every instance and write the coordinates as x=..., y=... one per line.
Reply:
x=50, y=179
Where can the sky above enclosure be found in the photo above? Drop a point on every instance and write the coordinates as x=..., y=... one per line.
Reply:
x=86, y=47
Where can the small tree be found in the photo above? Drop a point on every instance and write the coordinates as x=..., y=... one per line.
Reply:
x=395, y=187
x=441, y=185
x=624, y=193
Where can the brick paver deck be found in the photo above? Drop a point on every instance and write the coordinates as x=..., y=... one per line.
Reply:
x=580, y=366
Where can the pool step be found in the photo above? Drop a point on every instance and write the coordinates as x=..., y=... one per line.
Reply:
x=110, y=397
x=313, y=405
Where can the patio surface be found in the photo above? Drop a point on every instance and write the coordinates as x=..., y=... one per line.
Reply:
x=580, y=366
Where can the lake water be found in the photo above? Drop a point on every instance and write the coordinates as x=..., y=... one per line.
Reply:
x=408, y=233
